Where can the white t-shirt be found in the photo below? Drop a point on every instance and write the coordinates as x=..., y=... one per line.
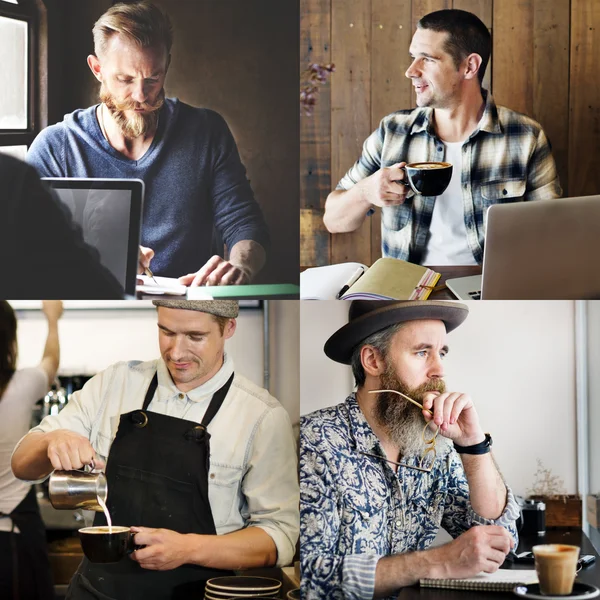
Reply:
x=447, y=243
x=25, y=388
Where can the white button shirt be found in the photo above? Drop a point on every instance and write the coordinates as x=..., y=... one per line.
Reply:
x=253, y=477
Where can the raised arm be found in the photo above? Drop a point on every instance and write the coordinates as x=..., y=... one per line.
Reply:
x=53, y=309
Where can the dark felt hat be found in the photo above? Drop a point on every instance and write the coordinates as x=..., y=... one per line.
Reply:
x=366, y=317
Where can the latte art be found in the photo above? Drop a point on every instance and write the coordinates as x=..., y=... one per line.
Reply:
x=104, y=530
x=429, y=165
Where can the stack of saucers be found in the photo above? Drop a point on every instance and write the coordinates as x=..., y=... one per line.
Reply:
x=227, y=588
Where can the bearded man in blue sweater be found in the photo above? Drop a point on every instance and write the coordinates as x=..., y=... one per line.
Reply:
x=194, y=180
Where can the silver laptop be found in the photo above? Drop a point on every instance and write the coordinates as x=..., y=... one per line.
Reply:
x=109, y=212
x=542, y=250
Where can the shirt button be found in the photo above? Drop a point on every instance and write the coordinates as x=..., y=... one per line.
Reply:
x=440, y=148
x=504, y=192
x=181, y=396
x=212, y=475
x=398, y=524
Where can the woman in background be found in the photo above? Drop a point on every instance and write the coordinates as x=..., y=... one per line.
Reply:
x=24, y=565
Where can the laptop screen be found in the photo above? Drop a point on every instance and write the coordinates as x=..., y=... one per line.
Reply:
x=109, y=213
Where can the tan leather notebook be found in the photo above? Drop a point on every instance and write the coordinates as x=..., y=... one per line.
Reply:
x=393, y=279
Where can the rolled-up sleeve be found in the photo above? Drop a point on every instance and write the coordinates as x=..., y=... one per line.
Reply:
x=270, y=486
x=369, y=161
x=325, y=572
x=459, y=515
x=542, y=176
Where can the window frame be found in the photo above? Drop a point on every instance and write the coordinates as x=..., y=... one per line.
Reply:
x=25, y=11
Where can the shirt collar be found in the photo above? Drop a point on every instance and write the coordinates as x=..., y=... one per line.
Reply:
x=167, y=389
x=365, y=438
x=489, y=120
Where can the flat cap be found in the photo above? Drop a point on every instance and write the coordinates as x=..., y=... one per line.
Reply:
x=219, y=308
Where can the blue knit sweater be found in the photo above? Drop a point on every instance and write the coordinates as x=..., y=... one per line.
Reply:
x=194, y=181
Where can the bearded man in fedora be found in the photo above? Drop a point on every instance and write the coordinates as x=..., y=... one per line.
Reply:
x=376, y=483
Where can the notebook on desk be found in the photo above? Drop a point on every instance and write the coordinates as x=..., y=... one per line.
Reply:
x=538, y=251
x=503, y=580
x=386, y=279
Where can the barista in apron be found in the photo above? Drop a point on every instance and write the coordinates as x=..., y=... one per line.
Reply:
x=28, y=557
x=157, y=475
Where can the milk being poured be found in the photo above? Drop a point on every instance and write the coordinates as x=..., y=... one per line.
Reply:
x=106, y=513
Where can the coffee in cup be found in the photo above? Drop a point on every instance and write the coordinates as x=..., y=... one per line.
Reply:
x=100, y=545
x=556, y=567
x=428, y=178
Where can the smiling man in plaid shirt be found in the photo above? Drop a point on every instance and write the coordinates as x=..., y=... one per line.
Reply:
x=498, y=155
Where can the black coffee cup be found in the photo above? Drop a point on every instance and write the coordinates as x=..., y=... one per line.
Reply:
x=100, y=546
x=428, y=178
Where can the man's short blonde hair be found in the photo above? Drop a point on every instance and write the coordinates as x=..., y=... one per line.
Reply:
x=142, y=22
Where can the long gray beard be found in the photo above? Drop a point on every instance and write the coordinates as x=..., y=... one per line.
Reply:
x=402, y=420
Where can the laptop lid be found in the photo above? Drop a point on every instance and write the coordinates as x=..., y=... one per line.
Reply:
x=542, y=250
x=109, y=212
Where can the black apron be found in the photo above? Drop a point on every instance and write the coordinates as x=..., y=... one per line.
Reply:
x=157, y=476
x=26, y=573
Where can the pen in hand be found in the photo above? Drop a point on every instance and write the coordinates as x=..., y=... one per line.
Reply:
x=149, y=273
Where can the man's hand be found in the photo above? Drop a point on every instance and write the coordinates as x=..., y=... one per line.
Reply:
x=217, y=271
x=382, y=188
x=68, y=450
x=456, y=416
x=144, y=258
x=481, y=548
x=164, y=549
x=53, y=309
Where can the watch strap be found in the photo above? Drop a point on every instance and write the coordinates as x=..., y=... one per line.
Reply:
x=481, y=448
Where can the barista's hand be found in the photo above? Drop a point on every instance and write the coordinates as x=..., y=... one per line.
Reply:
x=68, y=450
x=382, y=188
x=481, y=548
x=144, y=257
x=165, y=549
x=53, y=309
x=455, y=414
x=217, y=271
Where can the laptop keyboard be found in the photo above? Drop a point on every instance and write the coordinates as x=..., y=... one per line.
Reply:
x=475, y=295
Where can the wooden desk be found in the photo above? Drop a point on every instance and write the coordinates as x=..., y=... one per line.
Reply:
x=590, y=575
x=451, y=273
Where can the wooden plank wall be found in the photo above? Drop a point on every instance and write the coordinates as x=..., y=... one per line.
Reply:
x=545, y=61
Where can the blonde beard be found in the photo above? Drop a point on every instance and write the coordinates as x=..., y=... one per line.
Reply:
x=402, y=420
x=139, y=124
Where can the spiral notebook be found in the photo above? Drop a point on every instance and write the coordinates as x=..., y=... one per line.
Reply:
x=503, y=580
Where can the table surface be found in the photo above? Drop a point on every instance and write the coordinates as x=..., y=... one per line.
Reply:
x=451, y=273
x=576, y=537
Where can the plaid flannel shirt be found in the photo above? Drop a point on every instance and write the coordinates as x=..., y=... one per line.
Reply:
x=508, y=158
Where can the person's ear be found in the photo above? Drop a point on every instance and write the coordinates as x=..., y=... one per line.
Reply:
x=230, y=328
x=95, y=66
x=372, y=361
x=472, y=66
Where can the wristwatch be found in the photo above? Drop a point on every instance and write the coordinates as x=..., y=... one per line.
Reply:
x=481, y=448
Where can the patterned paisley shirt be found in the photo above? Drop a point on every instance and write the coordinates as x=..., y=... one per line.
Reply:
x=508, y=158
x=354, y=509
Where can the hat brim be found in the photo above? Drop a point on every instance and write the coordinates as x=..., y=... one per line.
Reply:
x=341, y=344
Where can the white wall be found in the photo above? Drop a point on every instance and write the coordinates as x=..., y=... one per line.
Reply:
x=91, y=340
x=593, y=316
x=516, y=360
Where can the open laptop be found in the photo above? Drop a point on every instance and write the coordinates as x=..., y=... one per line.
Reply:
x=109, y=212
x=542, y=250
